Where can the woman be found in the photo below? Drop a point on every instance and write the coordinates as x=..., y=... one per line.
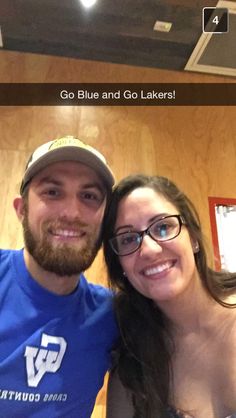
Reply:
x=177, y=356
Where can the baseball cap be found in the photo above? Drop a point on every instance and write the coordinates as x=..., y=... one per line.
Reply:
x=67, y=148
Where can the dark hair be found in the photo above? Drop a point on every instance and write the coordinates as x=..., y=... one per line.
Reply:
x=144, y=363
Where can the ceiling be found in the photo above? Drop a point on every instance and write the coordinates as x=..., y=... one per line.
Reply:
x=117, y=31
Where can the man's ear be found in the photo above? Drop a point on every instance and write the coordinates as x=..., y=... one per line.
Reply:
x=18, y=204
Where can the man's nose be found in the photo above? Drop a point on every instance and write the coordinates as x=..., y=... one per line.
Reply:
x=71, y=207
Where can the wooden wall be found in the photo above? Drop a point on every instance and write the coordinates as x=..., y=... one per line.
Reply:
x=194, y=146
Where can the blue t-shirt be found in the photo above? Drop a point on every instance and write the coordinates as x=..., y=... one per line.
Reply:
x=54, y=350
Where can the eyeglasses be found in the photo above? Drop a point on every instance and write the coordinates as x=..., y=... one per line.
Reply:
x=161, y=230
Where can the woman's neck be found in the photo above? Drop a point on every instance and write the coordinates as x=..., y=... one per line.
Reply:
x=192, y=311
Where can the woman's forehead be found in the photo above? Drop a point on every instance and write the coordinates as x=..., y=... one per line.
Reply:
x=144, y=200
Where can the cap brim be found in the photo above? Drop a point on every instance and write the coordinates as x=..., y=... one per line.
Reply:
x=71, y=153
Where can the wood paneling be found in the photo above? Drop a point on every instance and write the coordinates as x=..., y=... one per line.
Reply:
x=194, y=146
x=33, y=68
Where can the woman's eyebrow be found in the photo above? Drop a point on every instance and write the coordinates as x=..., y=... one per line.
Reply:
x=121, y=227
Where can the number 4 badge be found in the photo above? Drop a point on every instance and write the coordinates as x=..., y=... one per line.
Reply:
x=215, y=20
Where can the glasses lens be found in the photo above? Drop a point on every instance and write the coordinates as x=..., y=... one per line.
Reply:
x=125, y=243
x=165, y=229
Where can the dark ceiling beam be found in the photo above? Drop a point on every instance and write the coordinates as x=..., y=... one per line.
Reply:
x=119, y=31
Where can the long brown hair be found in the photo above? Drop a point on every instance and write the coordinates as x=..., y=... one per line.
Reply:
x=144, y=355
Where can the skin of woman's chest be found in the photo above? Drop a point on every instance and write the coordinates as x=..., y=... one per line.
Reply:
x=204, y=373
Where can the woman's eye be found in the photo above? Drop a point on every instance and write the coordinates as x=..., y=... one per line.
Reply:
x=128, y=240
x=162, y=229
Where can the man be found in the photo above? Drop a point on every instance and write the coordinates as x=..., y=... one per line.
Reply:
x=56, y=329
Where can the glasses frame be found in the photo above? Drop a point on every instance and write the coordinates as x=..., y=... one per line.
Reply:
x=146, y=231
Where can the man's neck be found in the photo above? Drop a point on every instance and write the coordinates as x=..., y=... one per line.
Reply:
x=60, y=285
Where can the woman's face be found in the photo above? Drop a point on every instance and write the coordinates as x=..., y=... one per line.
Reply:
x=159, y=271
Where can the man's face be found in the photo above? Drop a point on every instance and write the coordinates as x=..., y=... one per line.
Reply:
x=62, y=217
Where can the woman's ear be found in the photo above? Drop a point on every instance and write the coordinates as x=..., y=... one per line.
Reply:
x=18, y=204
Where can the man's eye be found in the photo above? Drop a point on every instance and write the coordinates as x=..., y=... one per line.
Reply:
x=92, y=196
x=52, y=192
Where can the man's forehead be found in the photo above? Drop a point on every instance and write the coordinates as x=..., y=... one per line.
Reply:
x=56, y=172
x=69, y=168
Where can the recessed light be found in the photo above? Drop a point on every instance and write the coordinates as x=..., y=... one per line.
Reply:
x=88, y=3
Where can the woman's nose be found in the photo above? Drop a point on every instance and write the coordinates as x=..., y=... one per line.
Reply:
x=149, y=246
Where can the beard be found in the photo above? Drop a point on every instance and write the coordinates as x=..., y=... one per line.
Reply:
x=62, y=259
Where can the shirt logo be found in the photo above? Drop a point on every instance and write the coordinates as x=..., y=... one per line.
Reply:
x=41, y=360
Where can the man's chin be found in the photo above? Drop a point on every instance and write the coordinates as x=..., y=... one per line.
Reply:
x=64, y=261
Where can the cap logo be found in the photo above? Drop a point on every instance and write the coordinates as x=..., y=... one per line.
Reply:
x=75, y=142
x=65, y=141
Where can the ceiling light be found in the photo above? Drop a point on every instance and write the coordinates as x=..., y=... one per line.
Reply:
x=88, y=3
